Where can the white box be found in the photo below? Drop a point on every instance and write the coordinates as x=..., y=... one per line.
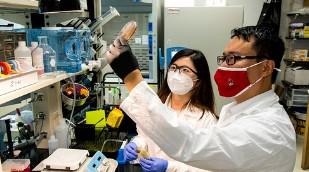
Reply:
x=15, y=82
x=297, y=76
x=66, y=159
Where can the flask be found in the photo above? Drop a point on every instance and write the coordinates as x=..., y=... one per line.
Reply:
x=49, y=56
x=37, y=57
x=52, y=144
x=23, y=56
x=61, y=132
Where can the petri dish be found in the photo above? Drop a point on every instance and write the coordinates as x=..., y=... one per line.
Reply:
x=128, y=30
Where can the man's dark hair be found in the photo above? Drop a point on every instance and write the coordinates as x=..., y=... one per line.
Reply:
x=268, y=45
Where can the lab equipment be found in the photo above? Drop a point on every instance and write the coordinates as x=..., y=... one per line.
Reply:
x=97, y=159
x=67, y=94
x=114, y=118
x=49, y=55
x=72, y=46
x=66, y=159
x=97, y=118
x=100, y=21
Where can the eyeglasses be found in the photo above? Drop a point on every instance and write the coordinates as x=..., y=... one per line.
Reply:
x=182, y=69
x=231, y=59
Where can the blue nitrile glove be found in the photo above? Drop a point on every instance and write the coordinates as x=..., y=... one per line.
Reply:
x=130, y=152
x=153, y=164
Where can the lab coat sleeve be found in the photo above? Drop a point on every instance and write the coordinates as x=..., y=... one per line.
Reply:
x=176, y=166
x=226, y=148
x=140, y=142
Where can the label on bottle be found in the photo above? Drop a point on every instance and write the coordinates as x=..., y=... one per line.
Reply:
x=52, y=62
x=25, y=63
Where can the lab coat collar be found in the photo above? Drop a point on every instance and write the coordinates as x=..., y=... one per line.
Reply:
x=232, y=111
x=262, y=100
x=191, y=111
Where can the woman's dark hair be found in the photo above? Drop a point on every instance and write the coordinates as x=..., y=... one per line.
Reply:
x=202, y=96
x=267, y=45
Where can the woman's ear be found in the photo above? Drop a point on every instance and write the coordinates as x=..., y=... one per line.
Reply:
x=197, y=83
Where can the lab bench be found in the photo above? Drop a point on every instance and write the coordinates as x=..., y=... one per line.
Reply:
x=43, y=153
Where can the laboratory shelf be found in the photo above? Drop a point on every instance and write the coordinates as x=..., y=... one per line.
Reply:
x=19, y=4
x=296, y=38
x=43, y=82
x=296, y=62
x=300, y=12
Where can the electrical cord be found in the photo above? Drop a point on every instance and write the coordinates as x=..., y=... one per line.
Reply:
x=72, y=112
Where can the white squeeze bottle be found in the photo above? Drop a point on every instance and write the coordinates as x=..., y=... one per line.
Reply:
x=0, y=166
x=23, y=55
x=37, y=57
x=52, y=144
x=61, y=132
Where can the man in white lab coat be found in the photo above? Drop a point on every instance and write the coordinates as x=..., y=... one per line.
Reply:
x=253, y=133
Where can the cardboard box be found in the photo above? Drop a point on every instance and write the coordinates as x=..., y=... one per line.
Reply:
x=297, y=76
x=306, y=3
x=299, y=54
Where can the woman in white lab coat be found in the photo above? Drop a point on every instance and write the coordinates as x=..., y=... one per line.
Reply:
x=187, y=79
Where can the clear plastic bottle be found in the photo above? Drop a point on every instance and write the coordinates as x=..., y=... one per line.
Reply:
x=49, y=56
x=37, y=57
x=52, y=144
x=61, y=132
x=23, y=55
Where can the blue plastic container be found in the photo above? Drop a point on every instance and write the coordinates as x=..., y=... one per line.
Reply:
x=72, y=46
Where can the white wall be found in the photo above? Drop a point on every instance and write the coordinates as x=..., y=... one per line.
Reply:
x=252, y=8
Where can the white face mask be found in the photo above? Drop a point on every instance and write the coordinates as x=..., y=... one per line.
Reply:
x=179, y=83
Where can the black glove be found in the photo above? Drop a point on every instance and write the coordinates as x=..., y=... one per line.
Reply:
x=121, y=58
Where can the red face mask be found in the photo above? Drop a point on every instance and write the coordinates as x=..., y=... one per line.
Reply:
x=232, y=82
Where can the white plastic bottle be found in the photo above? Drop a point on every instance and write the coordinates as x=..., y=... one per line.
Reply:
x=23, y=56
x=61, y=132
x=52, y=144
x=37, y=57
x=33, y=46
x=0, y=166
